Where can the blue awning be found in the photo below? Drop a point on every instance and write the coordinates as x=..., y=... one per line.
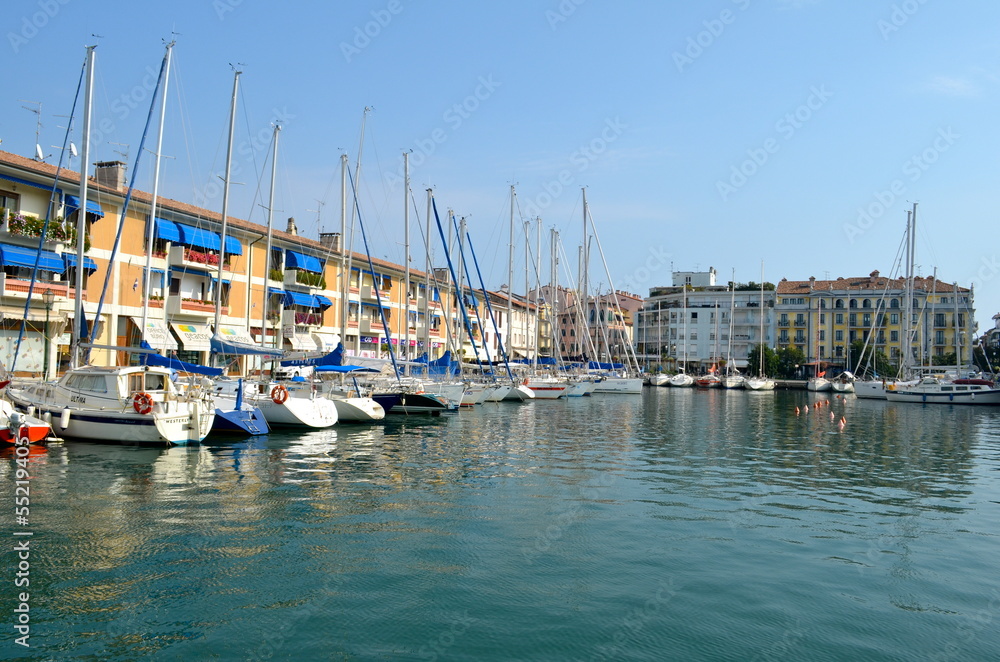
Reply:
x=374, y=305
x=168, y=231
x=322, y=301
x=192, y=236
x=304, y=262
x=89, y=263
x=272, y=291
x=73, y=203
x=21, y=256
x=300, y=299
x=233, y=246
x=224, y=280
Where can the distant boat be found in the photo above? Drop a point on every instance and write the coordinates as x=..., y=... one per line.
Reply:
x=711, y=380
x=681, y=380
x=659, y=380
x=931, y=390
x=818, y=384
x=843, y=383
x=759, y=384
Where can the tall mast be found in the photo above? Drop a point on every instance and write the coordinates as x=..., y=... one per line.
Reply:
x=527, y=284
x=427, y=280
x=344, y=275
x=406, y=262
x=761, y=349
x=81, y=223
x=538, y=284
x=354, y=215
x=267, y=253
x=584, y=268
x=225, y=202
x=509, y=327
x=958, y=331
x=152, y=205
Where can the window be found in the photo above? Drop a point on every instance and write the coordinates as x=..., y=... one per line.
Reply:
x=10, y=201
x=894, y=336
x=694, y=316
x=866, y=319
x=799, y=318
x=822, y=335
x=893, y=318
x=84, y=382
x=853, y=319
x=839, y=303
x=839, y=318
x=894, y=303
x=867, y=303
x=784, y=319
x=939, y=337
x=822, y=318
x=939, y=319
x=838, y=335
x=853, y=304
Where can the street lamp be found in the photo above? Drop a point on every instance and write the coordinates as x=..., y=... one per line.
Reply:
x=48, y=296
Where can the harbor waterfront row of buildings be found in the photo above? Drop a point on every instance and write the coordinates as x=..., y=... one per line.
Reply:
x=302, y=288
x=713, y=324
x=301, y=280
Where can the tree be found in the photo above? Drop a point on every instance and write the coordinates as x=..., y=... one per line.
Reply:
x=944, y=359
x=870, y=360
x=789, y=359
x=770, y=360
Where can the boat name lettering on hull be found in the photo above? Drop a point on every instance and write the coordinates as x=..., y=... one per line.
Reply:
x=78, y=398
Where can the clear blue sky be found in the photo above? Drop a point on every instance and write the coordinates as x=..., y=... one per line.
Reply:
x=827, y=107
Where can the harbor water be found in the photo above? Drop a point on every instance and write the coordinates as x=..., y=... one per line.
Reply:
x=676, y=525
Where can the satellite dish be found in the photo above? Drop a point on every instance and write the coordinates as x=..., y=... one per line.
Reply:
x=72, y=150
x=38, y=152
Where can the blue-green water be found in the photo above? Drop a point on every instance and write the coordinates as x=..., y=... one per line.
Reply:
x=676, y=525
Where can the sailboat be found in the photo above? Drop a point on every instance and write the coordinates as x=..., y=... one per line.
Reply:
x=293, y=404
x=732, y=379
x=760, y=381
x=682, y=379
x=132, y=404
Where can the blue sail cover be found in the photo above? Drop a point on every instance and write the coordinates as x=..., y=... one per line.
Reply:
x=594, y=365
x=220, y=346
x=344, y=368
x=444, y=365
x=177, y=364
x=334, y=358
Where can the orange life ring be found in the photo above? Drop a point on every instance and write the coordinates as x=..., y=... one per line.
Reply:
x=142, y=403
x=525, y=381
x=279, y=394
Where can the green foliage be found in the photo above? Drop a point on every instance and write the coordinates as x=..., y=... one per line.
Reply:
x=770, y=360
x=310, y=279
x=944, y=359
x=751, y=287
x=873, y=362
x=276, y=274
x=788, y=361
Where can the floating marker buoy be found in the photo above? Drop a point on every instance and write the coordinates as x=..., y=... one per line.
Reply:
x=796, y=411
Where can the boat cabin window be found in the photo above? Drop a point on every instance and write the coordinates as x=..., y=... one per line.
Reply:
x=92, y=383
x=945, y=388
x=144, y=381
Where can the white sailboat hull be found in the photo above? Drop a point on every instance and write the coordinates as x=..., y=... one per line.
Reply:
x=622, y=385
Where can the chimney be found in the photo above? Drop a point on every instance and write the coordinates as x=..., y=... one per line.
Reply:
x=812, y=282
x=331, y=240
x=291, y=229
x=110, y=174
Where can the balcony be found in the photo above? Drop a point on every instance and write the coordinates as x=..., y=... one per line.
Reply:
x=304, y=322
x=16, y=287
x=182, y=256
x=299, y=278
x=176, y=305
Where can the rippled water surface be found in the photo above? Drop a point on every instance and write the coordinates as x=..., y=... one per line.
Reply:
x=676, y=525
